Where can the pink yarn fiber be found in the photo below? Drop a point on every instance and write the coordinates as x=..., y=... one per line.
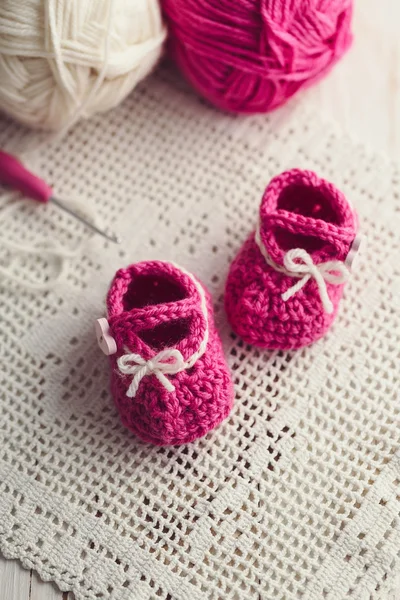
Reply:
x=154, y=306
x=298, y=210
x=252, y=55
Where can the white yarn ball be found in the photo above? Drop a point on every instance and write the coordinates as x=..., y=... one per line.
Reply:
x=64, y=59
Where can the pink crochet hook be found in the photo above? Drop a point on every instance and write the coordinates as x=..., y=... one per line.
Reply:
x=16, y=176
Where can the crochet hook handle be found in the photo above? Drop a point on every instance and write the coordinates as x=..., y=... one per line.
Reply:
x=16, y=176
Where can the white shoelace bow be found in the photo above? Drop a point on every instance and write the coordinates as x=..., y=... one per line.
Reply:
x=298, y=263
x=166, y=362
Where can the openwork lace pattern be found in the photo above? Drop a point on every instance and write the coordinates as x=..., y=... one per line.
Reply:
x=297, y=494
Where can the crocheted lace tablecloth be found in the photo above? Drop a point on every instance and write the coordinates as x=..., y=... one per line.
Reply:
x=297, y=494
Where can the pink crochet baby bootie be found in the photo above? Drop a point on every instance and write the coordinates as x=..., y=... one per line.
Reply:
x=169, y=379
x=284, y=286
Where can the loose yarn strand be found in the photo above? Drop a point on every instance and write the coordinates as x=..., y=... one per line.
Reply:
x=55, y=40
x=48, y=248
x=79, y=111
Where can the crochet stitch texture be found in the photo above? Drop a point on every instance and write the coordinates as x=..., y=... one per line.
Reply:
x=302, y=481
x=303, y=219
x=161, y=317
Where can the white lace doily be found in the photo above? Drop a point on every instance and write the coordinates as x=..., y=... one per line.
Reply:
x=297, y=494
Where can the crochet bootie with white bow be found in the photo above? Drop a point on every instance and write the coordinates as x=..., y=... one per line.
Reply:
x=284, y=286
x=170, y=381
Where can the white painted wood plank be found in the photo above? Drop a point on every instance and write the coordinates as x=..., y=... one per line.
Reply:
x=362, y=93
x=14, y=580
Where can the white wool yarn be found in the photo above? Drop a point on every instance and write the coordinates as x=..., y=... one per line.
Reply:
x=65, y=59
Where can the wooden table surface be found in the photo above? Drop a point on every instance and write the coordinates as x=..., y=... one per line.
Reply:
x=363, y=95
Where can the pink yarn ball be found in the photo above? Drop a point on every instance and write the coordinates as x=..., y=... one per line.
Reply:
x=252, y=55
